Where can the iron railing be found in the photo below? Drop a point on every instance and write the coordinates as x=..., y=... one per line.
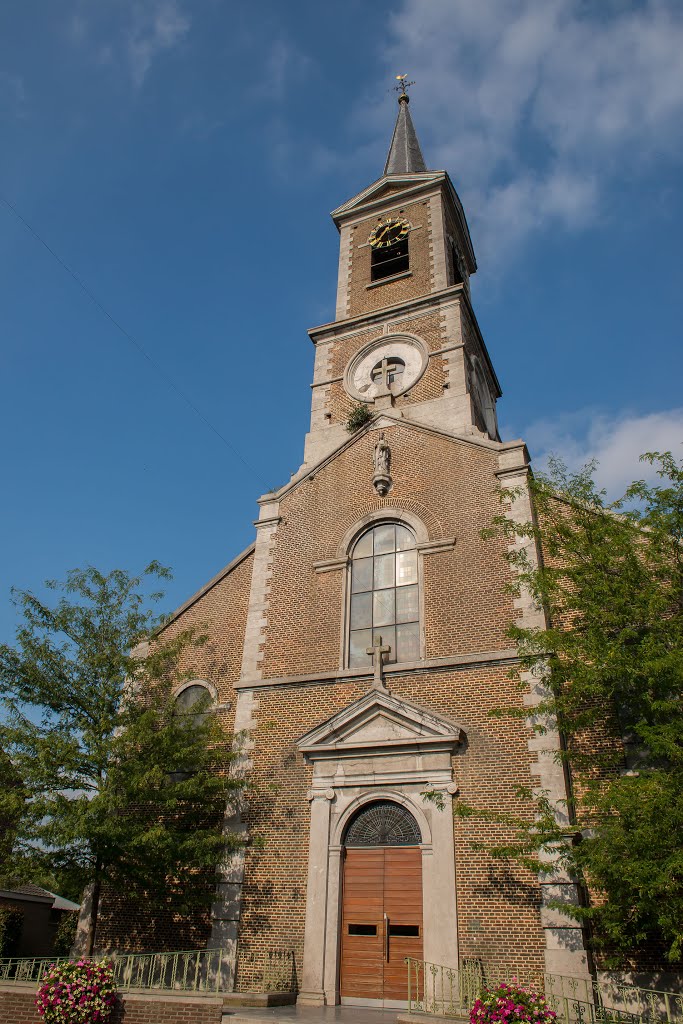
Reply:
x=612, y=1000
x=195, y=970
x=448, y=991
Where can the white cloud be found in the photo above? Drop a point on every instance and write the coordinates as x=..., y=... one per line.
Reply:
x=157, y=27
x=77, y=28
x=540, y=105
x=12, y=95
x=129, y=34
x=285, y=64
x=615, y=442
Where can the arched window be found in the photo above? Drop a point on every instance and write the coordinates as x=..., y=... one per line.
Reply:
x=389, y=242
x=196, y=695
x=383, y=823
x=192, y=705
x=385, y=597
x=392, y=258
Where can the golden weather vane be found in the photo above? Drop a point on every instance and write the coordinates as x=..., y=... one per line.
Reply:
x=403, y=84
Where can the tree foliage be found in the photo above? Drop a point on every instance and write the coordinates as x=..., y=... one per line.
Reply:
x=65, y=935
x=360, y=415
x=118, y=788
x=610, y=578
x=11, y=924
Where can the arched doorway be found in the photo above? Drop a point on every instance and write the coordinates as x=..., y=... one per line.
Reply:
x=381, y=921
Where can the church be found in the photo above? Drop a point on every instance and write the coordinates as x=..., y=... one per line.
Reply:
x=359, y=645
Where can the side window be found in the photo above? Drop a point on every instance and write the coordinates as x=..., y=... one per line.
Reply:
x=455, y=263
x=384, y=595
x=194, y=702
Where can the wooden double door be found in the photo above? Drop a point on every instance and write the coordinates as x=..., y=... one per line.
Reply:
x=381, y=922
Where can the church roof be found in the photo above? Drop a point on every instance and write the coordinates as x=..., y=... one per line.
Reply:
x=405, y=155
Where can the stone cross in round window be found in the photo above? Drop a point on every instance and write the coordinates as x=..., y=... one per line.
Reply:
x=386, y=371
x=383, y=824
x=384, y=595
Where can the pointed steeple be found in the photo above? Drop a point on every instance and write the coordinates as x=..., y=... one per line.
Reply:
x=405, y=155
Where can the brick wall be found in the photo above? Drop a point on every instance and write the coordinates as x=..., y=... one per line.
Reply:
x=450, y=485
x=220, y=614
x=149, y=924
x=17, y=1006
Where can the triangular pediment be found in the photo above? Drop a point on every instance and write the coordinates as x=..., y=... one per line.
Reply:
x=389, y=418
x=380, y=721
x=386, y=185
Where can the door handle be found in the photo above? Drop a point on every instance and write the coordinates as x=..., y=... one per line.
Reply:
x=386, y=938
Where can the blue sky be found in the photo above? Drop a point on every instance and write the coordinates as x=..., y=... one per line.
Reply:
x=182, y=158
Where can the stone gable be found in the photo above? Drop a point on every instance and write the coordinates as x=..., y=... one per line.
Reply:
x=451, y=486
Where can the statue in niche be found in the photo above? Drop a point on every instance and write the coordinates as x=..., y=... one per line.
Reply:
x=382, y=456
x=381, y=480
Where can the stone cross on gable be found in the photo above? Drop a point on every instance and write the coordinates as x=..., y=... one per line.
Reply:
x=377, y=652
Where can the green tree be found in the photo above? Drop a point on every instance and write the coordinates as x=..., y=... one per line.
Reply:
x=119, y=787
x=611, y=582
x=12, y=800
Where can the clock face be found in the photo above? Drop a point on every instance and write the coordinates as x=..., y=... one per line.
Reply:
x=389, y=365
x=388, y=232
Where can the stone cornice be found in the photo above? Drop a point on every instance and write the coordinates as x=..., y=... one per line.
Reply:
x=429, y=547
x=455, y=661
x=412, y=185
x=355, y=324
x=336, y=328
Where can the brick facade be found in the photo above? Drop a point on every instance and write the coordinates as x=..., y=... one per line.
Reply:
x=495, y=761
x=17, y=1006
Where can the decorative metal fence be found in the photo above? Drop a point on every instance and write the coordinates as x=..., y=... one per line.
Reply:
x=451, y=992
x=609, y=1000
x=196, y=970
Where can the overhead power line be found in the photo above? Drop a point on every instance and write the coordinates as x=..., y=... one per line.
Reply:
x=131, y=338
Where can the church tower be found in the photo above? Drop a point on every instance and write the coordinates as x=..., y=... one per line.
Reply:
x=405, y=339
x=359, y=646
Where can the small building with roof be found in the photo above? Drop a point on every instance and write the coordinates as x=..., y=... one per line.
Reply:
x=42, y=911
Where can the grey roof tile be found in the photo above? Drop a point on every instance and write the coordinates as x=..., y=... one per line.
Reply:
x=405, y=155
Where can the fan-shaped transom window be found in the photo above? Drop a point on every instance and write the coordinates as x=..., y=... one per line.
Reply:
x=385, y=597
x=383, y=824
